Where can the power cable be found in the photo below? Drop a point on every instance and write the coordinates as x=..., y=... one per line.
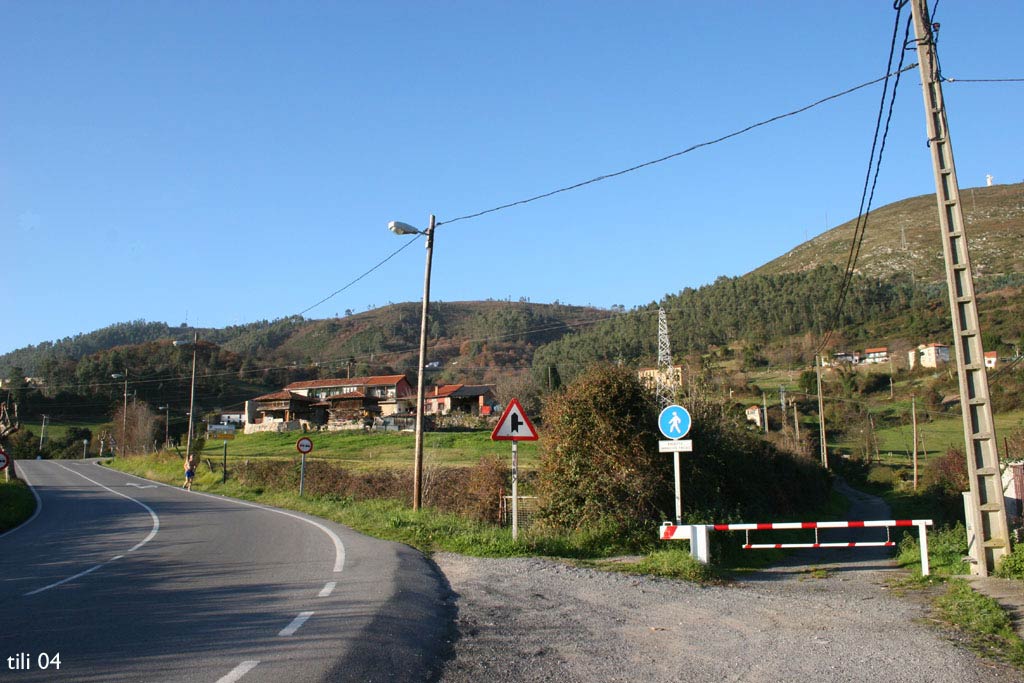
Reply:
x=871, y=179
x=663, y=159
x=342, y=289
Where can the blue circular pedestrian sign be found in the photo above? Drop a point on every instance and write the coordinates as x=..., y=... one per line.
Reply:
x=674, y=422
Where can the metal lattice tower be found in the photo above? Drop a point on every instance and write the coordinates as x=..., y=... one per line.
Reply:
x=986, y=510
x=666, y=386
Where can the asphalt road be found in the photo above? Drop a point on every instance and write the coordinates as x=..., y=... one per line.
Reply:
x=127, y=580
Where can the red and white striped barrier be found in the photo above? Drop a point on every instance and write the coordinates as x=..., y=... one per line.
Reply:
x=697, y=535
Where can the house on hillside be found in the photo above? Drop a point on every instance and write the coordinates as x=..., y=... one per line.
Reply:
x=649, y=376
x=844, y=358
x=460, y=398
x=337, y=403
x=928, y=355
x=991, y=359
x=756, y=415
x=283, y=411
x=876, y=355
x=351, y=401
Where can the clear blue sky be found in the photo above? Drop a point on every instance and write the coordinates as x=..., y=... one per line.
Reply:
x=233, y=161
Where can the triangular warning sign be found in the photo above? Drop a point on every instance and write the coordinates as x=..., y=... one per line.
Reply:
x=514, y=425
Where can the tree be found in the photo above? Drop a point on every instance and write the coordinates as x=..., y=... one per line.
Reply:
x=140, y=428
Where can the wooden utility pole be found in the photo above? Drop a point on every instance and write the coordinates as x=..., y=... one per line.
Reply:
x=987, y=509
x=913, y=417
x=796, y=422
x=821, y=415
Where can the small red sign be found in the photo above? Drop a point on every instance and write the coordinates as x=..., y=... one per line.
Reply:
x=304, y=445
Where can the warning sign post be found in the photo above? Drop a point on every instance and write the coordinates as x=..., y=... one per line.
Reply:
x=514, y=426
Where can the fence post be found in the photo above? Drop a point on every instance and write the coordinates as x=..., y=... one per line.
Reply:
x=922, y=534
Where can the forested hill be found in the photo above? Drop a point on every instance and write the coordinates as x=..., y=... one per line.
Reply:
x=481, y=334
x=897, y=295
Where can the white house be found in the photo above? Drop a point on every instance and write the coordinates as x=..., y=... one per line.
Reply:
x=928, y=355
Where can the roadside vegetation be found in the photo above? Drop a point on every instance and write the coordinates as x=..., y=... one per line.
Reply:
x=602, y=486
x=984, y=624
x=17, y=504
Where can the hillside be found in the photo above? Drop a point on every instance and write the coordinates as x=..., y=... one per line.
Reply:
x=995, y=229
x=777, y=312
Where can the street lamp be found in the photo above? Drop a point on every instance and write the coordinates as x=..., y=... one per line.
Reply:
x=417, y=478
x=124, y=414
x=167, y=423
x=192, y=401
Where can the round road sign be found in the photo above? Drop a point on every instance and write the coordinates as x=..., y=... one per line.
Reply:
x=674, y=422
x=4, y=460
x=304, y=445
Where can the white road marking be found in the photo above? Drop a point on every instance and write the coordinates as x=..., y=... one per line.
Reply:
x=63, y=581
x=39, y=505
x=140, y=486
x=328, y=589
x=296, y=624
x=339, y=547
x=239, y=671
x=147, y=539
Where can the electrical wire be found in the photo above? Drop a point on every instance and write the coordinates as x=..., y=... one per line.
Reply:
x=668, y=157
x=342, y=289
x=871, y=177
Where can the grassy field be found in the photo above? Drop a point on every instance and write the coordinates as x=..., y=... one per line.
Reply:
x=362, y=451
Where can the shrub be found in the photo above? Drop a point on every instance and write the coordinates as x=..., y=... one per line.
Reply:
x=948, y=473
x=598, y=459
x=1012, y=565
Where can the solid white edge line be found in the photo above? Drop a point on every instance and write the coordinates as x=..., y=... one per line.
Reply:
x=339, y=547
x=296, y=624
x=239, y=671
x=39, y=504
x=327, y=589
x=152, y=534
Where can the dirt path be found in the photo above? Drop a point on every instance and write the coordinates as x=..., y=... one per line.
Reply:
x=530, y=619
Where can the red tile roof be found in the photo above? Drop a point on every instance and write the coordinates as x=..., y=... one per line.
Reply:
x=346, y=382
x=444, y=391
x=880, y=349
x=285, y=396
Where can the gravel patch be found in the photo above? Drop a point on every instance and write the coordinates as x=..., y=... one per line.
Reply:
x=529, y=619
x=819, y=616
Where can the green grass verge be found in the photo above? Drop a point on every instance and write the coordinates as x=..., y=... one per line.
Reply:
x=432, y=531
x=359, y=450
x=16, y=504
x=982, y=621
x=427, y=530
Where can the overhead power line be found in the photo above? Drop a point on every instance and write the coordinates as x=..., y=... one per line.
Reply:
x=674, y=154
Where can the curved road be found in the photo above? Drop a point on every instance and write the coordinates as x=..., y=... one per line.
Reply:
x=128, y=580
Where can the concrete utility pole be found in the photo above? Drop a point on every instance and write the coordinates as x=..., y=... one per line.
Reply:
x=821, y=414
x=987, y=509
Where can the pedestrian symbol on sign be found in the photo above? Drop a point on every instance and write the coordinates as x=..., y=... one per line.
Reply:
x=674, y=422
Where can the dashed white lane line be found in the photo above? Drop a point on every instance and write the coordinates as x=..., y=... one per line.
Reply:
x=147, y=539
x=327, y=589
x=296, y=624
x=239, y=671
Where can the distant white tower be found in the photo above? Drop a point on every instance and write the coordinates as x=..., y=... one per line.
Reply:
x=665, y=387
x=988, y=180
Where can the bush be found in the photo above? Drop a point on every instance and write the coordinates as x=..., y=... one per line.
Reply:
x=1012, y=565
x=599, y=462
